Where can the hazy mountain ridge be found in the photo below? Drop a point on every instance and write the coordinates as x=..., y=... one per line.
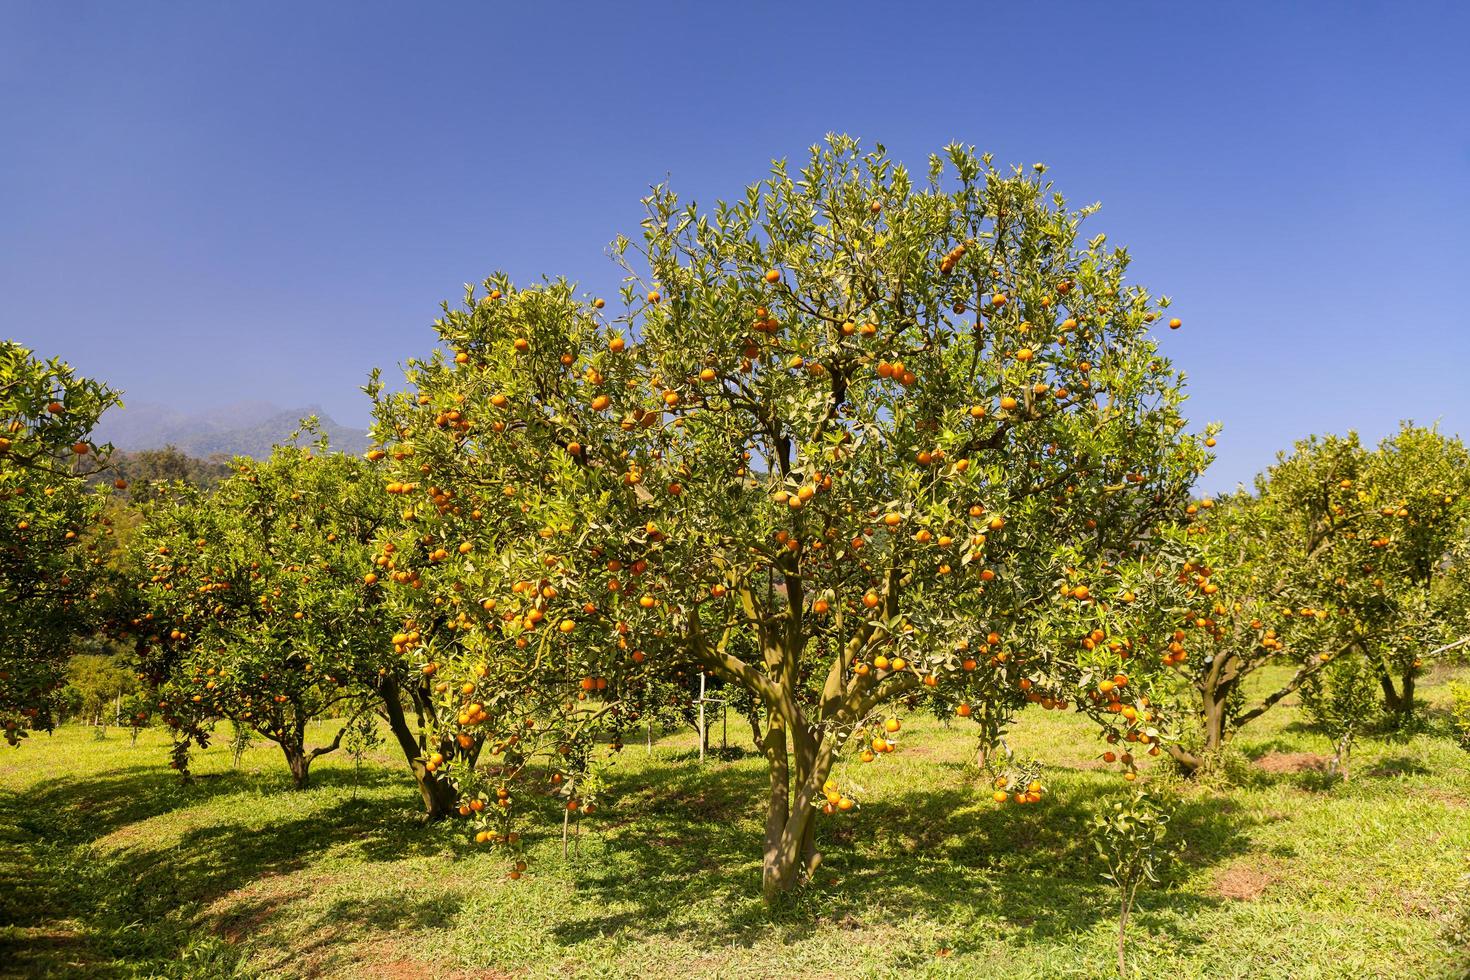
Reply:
x=243, y=429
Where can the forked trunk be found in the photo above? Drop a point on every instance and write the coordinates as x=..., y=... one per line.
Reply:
x=791, y=856
x=1212, y=718
x=438, y=795
x=298, y=762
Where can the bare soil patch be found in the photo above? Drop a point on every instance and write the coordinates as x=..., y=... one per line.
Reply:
x=1245, y=881
x=1292, y=762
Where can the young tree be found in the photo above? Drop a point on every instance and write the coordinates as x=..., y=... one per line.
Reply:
x=859, y=428
x=1340, y=699
x=1133, y=839
x=47, y=413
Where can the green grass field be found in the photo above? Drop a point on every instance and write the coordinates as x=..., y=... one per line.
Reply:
x=110, y=867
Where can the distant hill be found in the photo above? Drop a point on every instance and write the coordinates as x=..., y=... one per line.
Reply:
x=243, y=429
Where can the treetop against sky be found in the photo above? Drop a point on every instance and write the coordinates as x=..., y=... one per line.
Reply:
x=272, y=199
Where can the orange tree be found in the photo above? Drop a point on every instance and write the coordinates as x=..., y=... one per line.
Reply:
x=847, y=447
x=1340, y=552
x=263, y=606
x=1406, y=577
x=47, y=414
x=1254, y=577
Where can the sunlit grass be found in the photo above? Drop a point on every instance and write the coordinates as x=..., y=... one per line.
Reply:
x=112, y=867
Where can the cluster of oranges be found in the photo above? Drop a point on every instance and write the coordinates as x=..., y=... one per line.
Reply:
x=882, y=743
x=836, y=800
x=1008, y=789
x=952, y=258
x=1176, y=654
x=764, y=323
x=897, y=372
x=408, y=640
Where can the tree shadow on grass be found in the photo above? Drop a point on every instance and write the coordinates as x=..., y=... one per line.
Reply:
x=1399, y=765
x=945, y=854
x=141, y=897
x=333, y=937
x=77, y=811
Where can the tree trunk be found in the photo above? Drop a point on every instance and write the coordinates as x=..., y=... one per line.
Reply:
x=1212, y=716
x=1122, y=934
x=1391, y=700
x=756, y=737
x=773, y=868
x=438, y=794
x=297, y=761
x=797, y=769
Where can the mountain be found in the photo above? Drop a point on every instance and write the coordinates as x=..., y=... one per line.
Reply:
x=242, y=429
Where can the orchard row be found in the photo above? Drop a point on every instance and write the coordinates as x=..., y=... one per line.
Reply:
x=855, y=446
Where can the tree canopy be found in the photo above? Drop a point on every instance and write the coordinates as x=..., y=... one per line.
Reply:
x=844, y=445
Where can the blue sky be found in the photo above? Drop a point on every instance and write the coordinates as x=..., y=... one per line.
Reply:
x=207, y=203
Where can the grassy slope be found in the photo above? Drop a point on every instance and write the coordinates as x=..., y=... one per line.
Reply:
x=108, y=865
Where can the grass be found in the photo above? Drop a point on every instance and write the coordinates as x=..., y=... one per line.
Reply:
x=110, y=867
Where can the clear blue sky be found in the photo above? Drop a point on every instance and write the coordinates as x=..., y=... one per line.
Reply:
x=206, y=203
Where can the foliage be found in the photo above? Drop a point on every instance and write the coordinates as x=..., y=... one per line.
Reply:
x=1340, y=552
x=1460, y=713
x=1132, y=838
x=1414, y=546
x=145, y=473
x=1250, y=570
x=100, y=682
x=1341, y=699
x=47, y=413
x=258, y=609
x=861, y=427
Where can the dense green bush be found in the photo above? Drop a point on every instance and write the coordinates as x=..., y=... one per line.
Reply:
x=1460, y=713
